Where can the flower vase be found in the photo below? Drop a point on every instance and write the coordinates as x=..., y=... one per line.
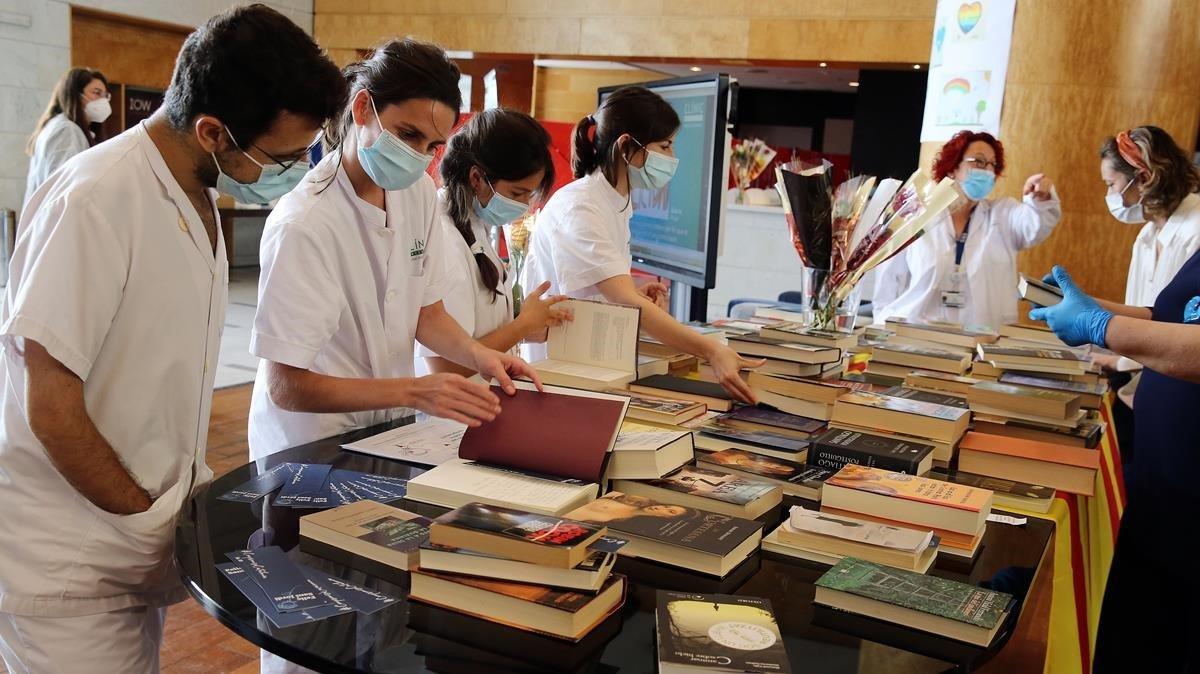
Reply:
x=516, y=259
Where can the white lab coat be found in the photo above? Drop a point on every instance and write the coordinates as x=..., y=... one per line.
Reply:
x=340, y=291
x=910, y=285
x=1157, y=257
x=59, y=140
x=476, y=308
x=114, y=275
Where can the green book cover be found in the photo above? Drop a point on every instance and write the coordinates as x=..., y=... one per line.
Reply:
x=928, y=594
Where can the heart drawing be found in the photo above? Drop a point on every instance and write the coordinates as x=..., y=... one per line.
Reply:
x=969, y=14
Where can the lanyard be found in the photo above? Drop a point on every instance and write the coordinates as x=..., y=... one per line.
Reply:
x=961, y=243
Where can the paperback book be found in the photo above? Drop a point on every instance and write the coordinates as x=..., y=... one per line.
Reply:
x=706, y=489
x=717, y=633
x=795, y=479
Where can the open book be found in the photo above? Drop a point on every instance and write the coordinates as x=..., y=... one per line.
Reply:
x=596, y=351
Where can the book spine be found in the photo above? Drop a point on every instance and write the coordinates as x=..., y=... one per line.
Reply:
x=834, y=457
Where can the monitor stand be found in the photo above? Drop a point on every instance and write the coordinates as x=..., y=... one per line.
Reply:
x=688, y=303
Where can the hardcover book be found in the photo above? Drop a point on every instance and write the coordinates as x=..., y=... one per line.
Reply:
x=458, y=482
x=837, y=447
x=945, y=607
x=794, y=478
x=717, y=633
x=644, y=452
x=515, y=534
x=520, y=438
x=595, y=350
x=702, y=540
x=713, y=490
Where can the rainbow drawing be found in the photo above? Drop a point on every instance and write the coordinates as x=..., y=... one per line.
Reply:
x=957, y=85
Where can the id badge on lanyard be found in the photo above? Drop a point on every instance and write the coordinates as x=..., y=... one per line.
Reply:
x=954, y=295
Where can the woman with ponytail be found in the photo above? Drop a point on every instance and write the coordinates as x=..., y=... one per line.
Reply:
x=494, y=167
x=581, y=242
x=353, y=274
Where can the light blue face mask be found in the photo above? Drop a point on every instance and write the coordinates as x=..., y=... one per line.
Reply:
x=390, y=162
x=978, y=184
x=270, y=185
x=500, y=210
x=655, y=173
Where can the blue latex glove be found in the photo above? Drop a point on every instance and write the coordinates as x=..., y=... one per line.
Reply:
x=1049, y=280
x=1077, y=319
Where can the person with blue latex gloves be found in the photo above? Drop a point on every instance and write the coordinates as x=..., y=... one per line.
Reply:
x=1161, y=492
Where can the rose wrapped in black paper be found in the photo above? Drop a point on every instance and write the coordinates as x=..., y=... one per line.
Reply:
x=807, y=199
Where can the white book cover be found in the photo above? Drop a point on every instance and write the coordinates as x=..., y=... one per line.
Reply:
x=859, y=531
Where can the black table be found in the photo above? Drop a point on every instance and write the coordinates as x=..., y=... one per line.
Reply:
x=415, y=637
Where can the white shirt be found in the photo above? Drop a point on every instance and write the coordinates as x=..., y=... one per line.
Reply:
x=340, y=291
x=581, y=238
x=115, y=276
x=910, y=285
x=1157, y=256
x=59, y=140
x=477, y=308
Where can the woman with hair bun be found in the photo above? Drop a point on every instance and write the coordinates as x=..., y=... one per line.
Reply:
x=581, y=242
x=964, y=269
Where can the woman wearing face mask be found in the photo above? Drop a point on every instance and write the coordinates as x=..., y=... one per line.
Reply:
x=964, y=269
x=352, y=272
x=494, y=166
x=1150, y=180
x=581, y=241
x=70, y=124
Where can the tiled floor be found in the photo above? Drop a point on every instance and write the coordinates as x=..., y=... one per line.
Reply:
x=236, y=365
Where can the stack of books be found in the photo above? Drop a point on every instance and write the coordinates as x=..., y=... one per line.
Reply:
x=793, y=478
x=1062, y=363
x=951, y=334
x=1034, y=333
x=1042, y=406
x=945, y=608
x=798, y=333
x=1007, y=493
x=826, y=538
x=785, y=356
x=795, y=395
x=956, y=513
x=1087, y=433
x=1091, y=396
x=369, y=536
x=716, y=435
x=517, y=568
x=706, y=489
x=939, y=382
x=679, y=364
x=926, y=396
x=644, y=452
x=689, y=538
x=897, y=360
x=1071, y=469
x=706, y=393
x=664, y=411
x=754, y=418
x=903, y=419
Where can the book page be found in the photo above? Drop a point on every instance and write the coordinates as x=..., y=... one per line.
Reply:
x=584, y=370
x=639, y=437
x=859, y=531
x=430, y=442
x=603, y=335
x=479, y=481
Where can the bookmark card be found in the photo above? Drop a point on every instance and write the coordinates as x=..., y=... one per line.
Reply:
x=281, y=579
x=244, y=582
x=376, y=487
x=261, y=485
x=306, y=488
x=361, y=599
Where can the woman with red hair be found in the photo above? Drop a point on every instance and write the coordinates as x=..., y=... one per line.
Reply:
x=964, y=269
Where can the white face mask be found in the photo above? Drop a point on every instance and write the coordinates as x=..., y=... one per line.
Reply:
x=1130, y=215
x=98, y=110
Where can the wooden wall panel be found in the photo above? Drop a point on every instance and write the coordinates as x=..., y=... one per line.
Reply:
x=569, y=94
x=129, y=51
x=859, y=31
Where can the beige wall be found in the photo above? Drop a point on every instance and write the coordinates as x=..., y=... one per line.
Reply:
x=883, y=31
x=569, y=94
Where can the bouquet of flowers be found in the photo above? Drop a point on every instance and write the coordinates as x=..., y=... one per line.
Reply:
x=748, y=160
x=844, y=232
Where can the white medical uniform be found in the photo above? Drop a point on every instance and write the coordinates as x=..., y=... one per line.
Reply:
x=910, y=285
x=478, y=309
x=114, y=275
x=59, y=140
x=1157, y=257
x=340, y=291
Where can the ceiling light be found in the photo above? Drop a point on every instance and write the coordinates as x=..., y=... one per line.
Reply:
x=695, y=69
x=916, y=66
x=824, y=64
x=853, y=84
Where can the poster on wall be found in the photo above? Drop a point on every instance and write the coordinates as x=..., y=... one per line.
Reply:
x=140, y=103
x=968, y=62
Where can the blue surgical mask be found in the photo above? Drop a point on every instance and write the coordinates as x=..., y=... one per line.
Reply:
x=978, y=184
x=655, y=173
x=270, y=184
x=500, y=210
x=390, y=162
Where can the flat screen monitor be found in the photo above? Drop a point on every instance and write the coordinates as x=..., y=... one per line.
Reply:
x=674, y=231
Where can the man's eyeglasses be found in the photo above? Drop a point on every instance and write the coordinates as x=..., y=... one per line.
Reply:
x=286, y=163
x=980, y=163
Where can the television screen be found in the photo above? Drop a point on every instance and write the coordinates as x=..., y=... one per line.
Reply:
x=674, y=230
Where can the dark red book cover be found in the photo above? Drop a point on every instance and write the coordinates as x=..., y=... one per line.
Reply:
x=554, y=433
